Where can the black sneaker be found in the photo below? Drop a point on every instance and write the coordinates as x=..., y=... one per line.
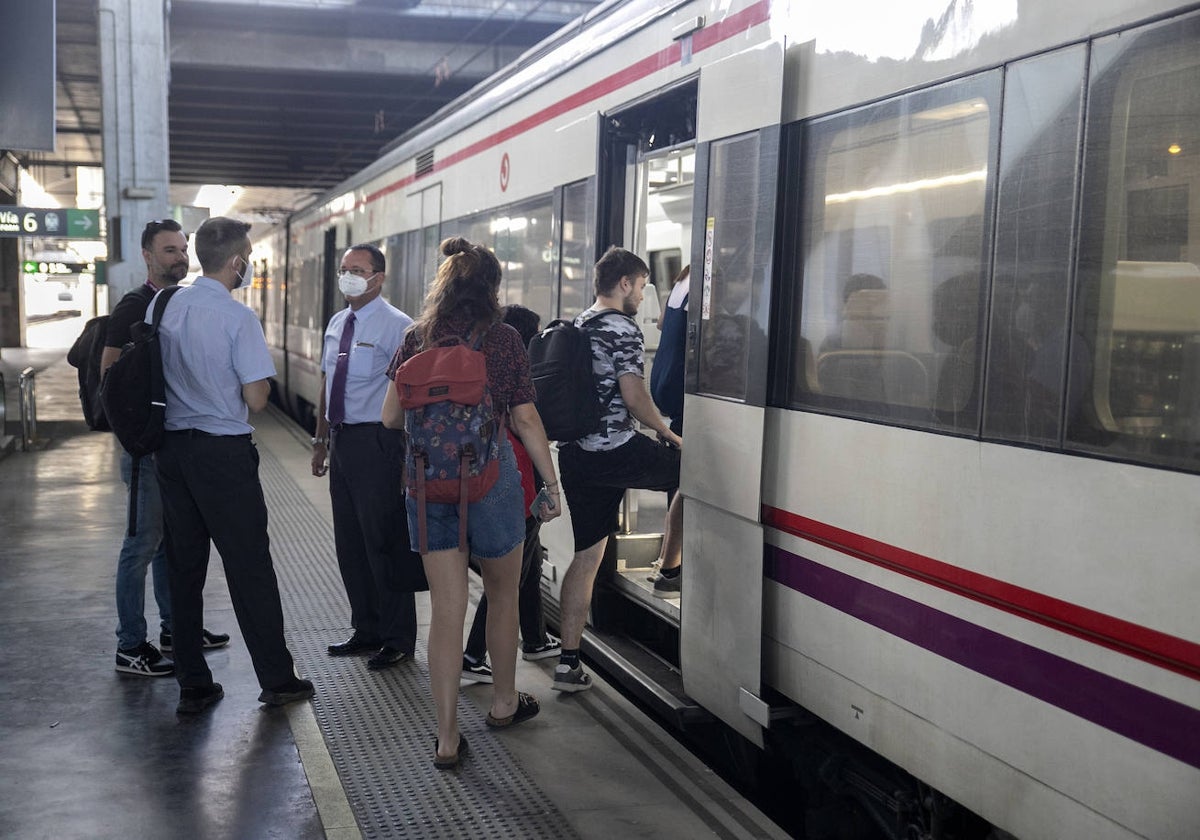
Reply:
x=297, y=689
x=210, y=640
x=480, y=673
x=145, y=661
x=668, y=587
x=551, y=647
x=193, y=700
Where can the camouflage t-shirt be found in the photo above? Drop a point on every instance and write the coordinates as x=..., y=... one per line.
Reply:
x=617, y=349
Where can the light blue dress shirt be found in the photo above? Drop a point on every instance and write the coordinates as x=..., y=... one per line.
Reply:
x=379, y=330
x=211, y=346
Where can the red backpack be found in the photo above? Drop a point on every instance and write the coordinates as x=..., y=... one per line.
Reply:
x=454, y=432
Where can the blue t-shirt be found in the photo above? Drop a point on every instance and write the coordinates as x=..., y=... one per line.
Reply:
x=212, y=345
x=666, y=375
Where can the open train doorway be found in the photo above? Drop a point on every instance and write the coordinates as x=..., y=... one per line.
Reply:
x=645, y=199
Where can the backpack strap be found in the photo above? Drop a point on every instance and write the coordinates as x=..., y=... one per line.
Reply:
x=131, y=530
x=422, y=527
x=464, y=459
x=158, y=381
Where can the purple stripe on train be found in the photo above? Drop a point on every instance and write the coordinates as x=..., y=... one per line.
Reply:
x=1152, y=720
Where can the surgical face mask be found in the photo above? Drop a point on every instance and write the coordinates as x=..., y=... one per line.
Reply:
x=247, y=276
x=351, y=285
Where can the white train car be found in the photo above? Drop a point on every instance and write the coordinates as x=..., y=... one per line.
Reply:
x=942, y=451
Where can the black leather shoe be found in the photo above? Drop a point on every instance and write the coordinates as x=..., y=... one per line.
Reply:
x=355, y=644
x=297, y=689
x=387, y=657
x=194, y=699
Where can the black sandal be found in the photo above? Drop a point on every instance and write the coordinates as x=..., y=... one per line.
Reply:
x=527, y=707
x=451, y=762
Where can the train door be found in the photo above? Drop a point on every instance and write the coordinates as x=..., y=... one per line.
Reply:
x=645, y=180
x=737, y=167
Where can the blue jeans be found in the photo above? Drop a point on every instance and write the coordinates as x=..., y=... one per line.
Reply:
x=144, y=549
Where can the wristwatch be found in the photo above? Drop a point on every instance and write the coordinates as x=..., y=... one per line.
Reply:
x=322, y=441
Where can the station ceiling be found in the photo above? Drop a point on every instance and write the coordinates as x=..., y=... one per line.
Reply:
x=296, y=95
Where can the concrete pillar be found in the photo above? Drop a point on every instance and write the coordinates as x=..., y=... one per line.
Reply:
x=10, y=269
x=134, y=77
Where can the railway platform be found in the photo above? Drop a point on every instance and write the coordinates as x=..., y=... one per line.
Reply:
x=89, y=752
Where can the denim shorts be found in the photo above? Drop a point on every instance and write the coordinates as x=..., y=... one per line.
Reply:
x=495, y=524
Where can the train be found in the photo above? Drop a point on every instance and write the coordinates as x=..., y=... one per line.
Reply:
x=941, y=457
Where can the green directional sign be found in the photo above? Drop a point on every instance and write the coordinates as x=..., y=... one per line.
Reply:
x=52, y=267
x=83, y=224
x=61, y=222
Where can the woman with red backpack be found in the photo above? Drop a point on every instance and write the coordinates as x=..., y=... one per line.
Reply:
x=461, y=377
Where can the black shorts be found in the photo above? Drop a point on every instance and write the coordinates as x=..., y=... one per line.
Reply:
x=595, y=482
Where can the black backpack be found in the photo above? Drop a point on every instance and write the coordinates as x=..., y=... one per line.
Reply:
x=560, y=360
x=85, y=355
x=134, y=395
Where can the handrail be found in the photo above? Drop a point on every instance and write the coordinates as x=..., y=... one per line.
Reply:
x=27, y=392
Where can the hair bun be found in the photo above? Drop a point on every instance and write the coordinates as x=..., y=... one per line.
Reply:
x=455, y=245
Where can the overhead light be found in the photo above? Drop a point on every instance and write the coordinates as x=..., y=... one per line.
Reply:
x=1174, y=149
x=218, y=198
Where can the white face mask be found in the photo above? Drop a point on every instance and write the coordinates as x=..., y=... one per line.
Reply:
x=351, y=285
x=247, y=276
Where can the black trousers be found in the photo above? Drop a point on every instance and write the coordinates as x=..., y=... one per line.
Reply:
x=370, y=529
x=529, y=599
x=210, y=491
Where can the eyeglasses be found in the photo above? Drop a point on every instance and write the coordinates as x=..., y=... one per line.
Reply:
x=156, y=227
x=360, y=272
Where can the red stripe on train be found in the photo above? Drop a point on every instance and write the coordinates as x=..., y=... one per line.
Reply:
x=710, y=36
x=1170, y=652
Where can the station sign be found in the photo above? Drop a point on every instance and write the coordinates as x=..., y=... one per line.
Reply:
x=62, y=222
x=47, y=267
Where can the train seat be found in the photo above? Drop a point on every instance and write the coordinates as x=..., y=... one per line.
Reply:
x=1155, y=310
x=895, y=377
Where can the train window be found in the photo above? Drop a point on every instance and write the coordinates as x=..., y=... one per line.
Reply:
x=575, y=248
x=894, y=252
x=521, y=237
x=405, y=285
x=1027, y=347
x=726, y=314
x=1136, y=339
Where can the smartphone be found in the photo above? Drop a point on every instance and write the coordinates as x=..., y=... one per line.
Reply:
x=535, y=509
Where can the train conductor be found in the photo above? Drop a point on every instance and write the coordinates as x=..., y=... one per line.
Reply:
x=365, y=461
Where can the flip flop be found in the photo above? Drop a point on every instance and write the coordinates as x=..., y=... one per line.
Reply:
x=527, y=707
x=450, y=762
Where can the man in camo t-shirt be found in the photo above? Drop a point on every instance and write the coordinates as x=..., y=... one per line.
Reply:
x=597, y=470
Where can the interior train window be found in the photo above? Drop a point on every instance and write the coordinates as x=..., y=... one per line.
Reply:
x=1135, y=358
x=1035, y=209
x=894, y=257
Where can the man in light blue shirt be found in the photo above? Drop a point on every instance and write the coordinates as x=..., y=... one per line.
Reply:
x=365, y=462
x=217, y=366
